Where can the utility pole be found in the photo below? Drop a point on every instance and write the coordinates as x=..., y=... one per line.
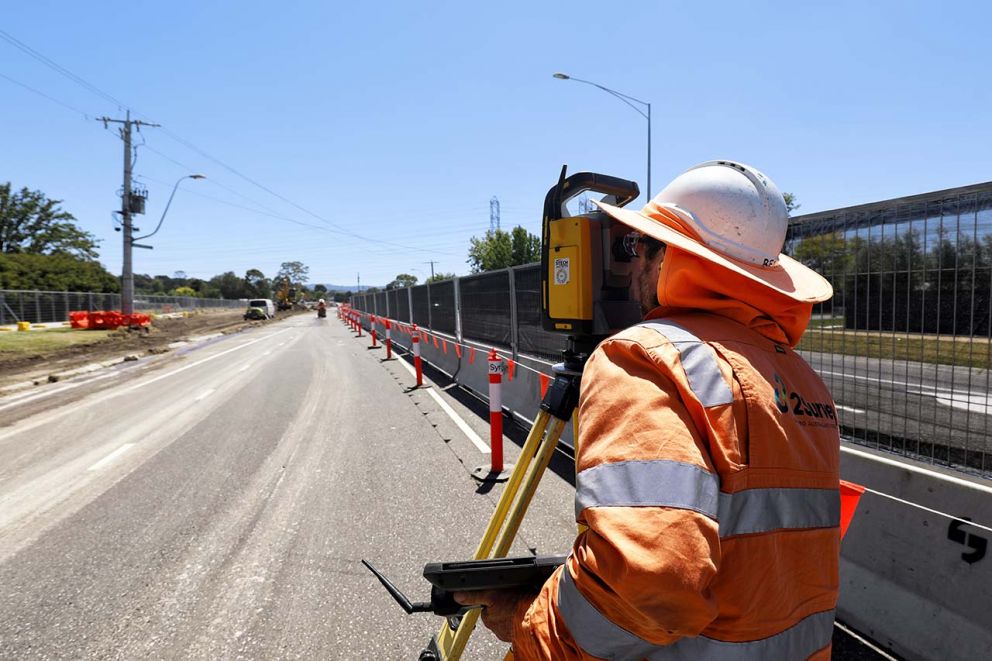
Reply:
x=129, y=205
x=432, y=263
x=359, y=283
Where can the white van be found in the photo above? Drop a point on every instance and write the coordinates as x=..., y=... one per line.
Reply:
x=265, y=304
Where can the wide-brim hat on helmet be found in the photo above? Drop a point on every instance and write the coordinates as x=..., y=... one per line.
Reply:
x=733, y=216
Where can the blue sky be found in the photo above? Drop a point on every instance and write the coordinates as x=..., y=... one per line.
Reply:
x=397, y=122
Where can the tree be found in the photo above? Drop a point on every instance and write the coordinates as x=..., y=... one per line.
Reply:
x=524, y=246
x=33, y=224
x=55, y=273
x=320, y=291
x=499, y=249
x=229, y=285
x=184, y=291
x=438, y=277
x=790, y=202
x=494, y=251
x=257, y=285
x=295, y=272
x=402, y=281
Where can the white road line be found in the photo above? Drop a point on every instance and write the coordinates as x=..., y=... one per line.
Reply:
x=905, y=384
x=267, y=352
x=244, y=367
x=841, y=407
x=22, y=398
x=110, y=457
x=203, y=395
x=457, y=419
x=970, y=401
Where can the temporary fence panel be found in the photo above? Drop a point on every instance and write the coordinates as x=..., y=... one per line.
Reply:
x=420, y=313
x=380, y=304
x=532, y=339
x=485, y=301
x=904, y=344
x=443, y=310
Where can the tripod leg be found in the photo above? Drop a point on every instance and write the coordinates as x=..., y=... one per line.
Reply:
x=452, y=645
x=513, y=484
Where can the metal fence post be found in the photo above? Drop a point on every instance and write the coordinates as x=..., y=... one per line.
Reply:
x=514, y=331
x=409, y=300
x=430, y=323
x=3, y=309
x=37, y=307
x=458, y=308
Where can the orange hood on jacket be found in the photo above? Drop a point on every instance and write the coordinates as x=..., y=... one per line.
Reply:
x=690, y=282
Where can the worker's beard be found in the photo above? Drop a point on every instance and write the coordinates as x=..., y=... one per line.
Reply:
x=647, y=286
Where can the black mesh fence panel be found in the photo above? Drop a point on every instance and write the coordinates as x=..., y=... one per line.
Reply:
x=401, y=312
x=443, y=306
x=421, y=314
x=485, y=300
x=532, y=339
x=380, y=303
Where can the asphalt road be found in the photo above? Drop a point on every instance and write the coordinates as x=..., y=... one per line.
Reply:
x=217, y=504
x=916, y=408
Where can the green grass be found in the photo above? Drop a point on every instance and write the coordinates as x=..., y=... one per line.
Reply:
x=966, y=352
x=43, y=341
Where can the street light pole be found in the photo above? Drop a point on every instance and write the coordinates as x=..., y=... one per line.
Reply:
x=167, y=204
x=626, y=99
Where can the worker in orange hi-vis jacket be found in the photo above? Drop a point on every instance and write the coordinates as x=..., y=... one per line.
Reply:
x=707, y=461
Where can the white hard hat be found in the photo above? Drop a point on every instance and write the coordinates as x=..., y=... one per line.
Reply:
x=732, y=215
x=733, y=207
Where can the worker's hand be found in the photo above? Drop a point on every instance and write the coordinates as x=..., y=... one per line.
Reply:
x=499, y=608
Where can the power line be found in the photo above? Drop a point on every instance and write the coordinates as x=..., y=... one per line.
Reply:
x=42, y=94
x=60, y=69
x=99, y=92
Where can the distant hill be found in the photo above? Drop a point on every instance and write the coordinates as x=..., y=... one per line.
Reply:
x=331, y=287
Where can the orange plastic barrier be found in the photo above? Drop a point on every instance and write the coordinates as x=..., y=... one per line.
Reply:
x=106, y=319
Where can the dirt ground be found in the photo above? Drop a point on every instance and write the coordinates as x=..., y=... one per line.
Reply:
x=16, y=368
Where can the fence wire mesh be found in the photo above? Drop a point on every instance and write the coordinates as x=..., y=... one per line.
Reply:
x=904, y=343
x=485, y=309
x=442, y=298
x=421, y=310
x=38, y=307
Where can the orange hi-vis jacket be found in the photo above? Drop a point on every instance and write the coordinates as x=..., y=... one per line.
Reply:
x=707, y=472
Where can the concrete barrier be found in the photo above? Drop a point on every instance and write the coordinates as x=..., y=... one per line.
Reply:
x=914, y=580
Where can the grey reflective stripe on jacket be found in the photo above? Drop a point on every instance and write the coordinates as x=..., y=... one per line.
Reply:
x=600, y=637
x=666, y=483
x=699, y=362
x=645, y=483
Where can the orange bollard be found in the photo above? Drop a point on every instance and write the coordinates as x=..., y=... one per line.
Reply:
x=495, y=411
x=389, y=340
x=372, y=326
x=416, y=357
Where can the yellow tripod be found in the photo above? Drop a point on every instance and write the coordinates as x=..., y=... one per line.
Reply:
x=557, y=406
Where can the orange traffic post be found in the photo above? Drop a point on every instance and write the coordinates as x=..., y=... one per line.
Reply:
x=417, y=363
x=389, y=340
x=495, y=412
x=372, y=326
x=358, y=323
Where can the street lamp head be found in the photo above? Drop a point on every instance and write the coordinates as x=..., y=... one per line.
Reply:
x=197, y=176
x=561, y=76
